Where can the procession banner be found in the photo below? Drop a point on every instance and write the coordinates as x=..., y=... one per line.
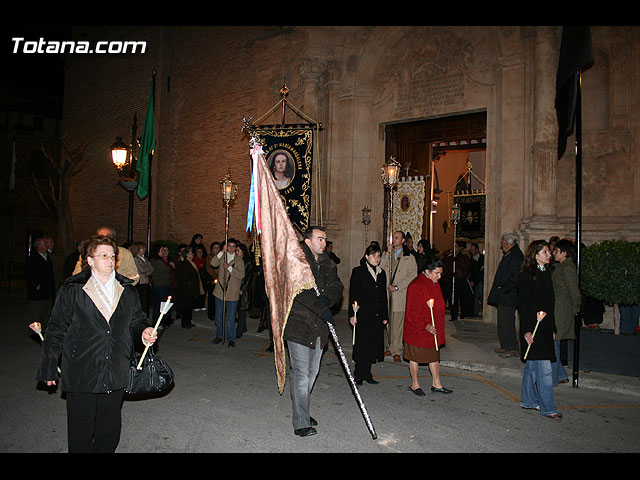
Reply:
x=472, y=216
x=408, y=206
x=288, y=153
x=286, y=271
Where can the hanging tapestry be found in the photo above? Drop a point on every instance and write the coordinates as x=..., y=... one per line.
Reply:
x=472, y=215
x=408, y=207
x=288, y=152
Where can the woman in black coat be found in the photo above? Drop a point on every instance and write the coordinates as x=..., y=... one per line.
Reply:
x=368, y=288
x=535, y=295
x=189, y=286
x=94, y=323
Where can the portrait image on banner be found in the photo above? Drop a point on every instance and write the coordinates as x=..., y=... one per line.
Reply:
x=288, y=153
x=408, y=208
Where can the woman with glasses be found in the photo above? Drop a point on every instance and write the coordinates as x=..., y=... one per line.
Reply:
x=536, y=306
x=423, y=336
x=96, y=319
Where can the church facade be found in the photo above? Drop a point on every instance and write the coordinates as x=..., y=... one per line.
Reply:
x=357, y=81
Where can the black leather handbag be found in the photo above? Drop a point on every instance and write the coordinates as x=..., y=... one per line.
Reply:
x=154, y=376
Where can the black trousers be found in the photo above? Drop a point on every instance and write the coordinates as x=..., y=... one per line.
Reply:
x=94, y=421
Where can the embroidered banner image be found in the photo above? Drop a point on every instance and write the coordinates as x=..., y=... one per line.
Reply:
x=288, y=153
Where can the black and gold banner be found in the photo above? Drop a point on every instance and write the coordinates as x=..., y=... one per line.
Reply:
x=288, y=152
x=472, y=216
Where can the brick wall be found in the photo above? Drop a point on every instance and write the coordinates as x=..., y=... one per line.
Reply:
x=205, y=85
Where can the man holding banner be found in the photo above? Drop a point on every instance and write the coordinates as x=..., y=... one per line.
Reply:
x=306, y=331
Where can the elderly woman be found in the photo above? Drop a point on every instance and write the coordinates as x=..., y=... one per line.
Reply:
x=368, y=287
x=568, y=300
x=421, y=335
x=536, y=306
x=94, y=323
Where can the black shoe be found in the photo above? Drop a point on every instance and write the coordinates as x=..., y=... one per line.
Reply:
x=441, y=390
x=359, y=382
x=371, y=381
x=231, y=343
x=313, y=421
x=305, y=432
x=418, y=391
x=216, y=340
x=188, y=325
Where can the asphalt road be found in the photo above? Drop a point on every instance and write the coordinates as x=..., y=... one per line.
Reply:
x=226, y=400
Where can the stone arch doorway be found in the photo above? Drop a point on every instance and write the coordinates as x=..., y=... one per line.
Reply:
x=438, y=150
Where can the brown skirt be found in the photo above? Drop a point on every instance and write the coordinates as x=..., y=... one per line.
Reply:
x=420, y=354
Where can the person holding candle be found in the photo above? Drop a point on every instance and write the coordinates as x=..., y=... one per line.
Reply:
x=420, y=333
x=95, y=321
x=368, y=288
x=536, y=304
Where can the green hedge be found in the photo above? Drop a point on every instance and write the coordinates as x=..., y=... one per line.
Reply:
x=610, y=271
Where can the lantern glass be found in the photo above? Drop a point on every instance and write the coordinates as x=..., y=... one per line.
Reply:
x=391, y=172
x=366, y=215
x=119, y=153
x=455, y=213
x=229, y=189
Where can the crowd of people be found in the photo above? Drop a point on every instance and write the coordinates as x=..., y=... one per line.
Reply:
x=399, y=289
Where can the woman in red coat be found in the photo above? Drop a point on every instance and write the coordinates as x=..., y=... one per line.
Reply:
x=420, y=335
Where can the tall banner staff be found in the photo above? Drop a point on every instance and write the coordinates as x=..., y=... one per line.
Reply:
x=145, y=156
x=576, y=56
x=286, y=271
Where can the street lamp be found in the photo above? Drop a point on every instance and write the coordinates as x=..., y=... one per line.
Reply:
x=122, y=156
x=366, y=219
x=390, y=175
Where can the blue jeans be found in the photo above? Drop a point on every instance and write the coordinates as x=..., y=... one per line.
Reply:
x=230, y=314
x=305, y=364
x=537, y=388
x=557, y=370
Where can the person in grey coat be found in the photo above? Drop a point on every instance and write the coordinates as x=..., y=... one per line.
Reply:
x=504, y=295
x=567, y=301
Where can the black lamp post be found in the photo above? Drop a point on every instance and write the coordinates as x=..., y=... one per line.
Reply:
x=125, y=161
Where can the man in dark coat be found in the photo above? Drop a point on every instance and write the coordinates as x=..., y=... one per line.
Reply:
x=40, y=286
x=460, y=296
x=306, y=332
x=476, y=277
x=504, y=294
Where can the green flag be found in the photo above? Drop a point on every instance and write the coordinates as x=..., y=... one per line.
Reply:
x=147, y=147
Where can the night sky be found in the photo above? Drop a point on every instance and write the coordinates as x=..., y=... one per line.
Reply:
x=37, y=73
